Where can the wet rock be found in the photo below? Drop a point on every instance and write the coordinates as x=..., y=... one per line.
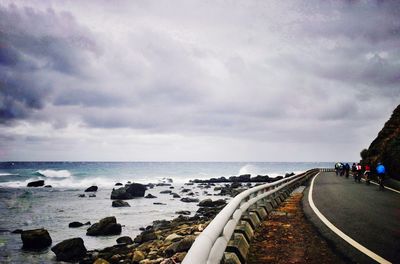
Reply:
x=183, y=212
x=118, y=184
x=105, y=227
x=75, y=224
x=145, y=236
x=210, y=203
x=70, y=250
x=185, y=190
x=189, y=200
x=158, y=203
x=125, y=240
x=17, y=231
x=120, y=203
x=175, y=195
x=48, y=186
x=166, y=192
x=92, y=195
x=36, y=239
x=92, y=189
x=130, y=191
x=161, y=224
x=150, y=196
x=36, y=183
x=81, y=195
x=173, y=238
x=101, y=261
x=180, y=246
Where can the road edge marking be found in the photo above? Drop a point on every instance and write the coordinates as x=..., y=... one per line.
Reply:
x=388, y=188
x=340, y=233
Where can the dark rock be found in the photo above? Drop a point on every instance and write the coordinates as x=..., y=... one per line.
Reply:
x=145, y=236
x=181, y=246
x=161, y=224
x=150, y=196
x=175, y=195
x=36, y=183
x=17, y=231
x=183, y=212
x=92, y=189
x=87, y=223
x=150, y=186
x=185, y=190
x=189, y=200
x=158, y=203
x=105, y=227
x=118, y=184
x=120, y=203
x=166, y=191
x=385, y=148
x=236, y=185
x=92, y=195
x=70, y=250
x=125, y=240
x=48, y=186
x=163, y=184
x=172, y=187
x=81, y=195
x=128, y=192
x=75, y=224
x=36, y=239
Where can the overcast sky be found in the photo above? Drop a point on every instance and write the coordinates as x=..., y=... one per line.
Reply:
x=196, y=80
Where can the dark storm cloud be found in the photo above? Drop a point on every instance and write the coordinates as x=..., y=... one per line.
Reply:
x=34, y=44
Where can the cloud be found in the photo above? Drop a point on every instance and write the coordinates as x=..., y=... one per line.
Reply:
x=310, y=71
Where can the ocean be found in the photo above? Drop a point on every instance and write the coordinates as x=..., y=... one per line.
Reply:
x=54, y=208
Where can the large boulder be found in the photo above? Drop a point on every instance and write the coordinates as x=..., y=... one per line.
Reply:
x=105, y=227
x=77, y=224
x=70, y=250
x=129, y=191
x=125, y=240
x=92, y=189
x=181, y=246
x=120, y=203
x=36, y=239
x=38, y=183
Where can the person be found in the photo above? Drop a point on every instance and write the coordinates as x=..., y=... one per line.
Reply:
x=337, y=166
x=347, y=169
x=354, y=170
x=367, y=171
x=358, y=173
x=380, y=169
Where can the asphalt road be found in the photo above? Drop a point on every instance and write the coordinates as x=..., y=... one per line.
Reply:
x=367, y=215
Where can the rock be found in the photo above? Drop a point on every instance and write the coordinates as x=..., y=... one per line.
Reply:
x=150, y=196
x=175, y=195
x=158, y=203
x=36, y=239
x=235, y=185
x=128, y=192
x=120, y=203
x=124, y=240
x=385, y=148
x=17, y=231
x=70, y=250
x=180, y=246
x=178, y=257
x=289, y=174
x=92, y=195
x=173, y=238
x=75, y=224
x=105, y=227
x=166, y=191
x=48, y=186
x=118, y=184
x=81, y=195
x=206, y=203
x=189, y=200
x=161, y=224
x=92, y=189
x=101, y=261
x=36, y=183
x=145, y=236
x=183, y=212
x=138, y=256
x=185, y=190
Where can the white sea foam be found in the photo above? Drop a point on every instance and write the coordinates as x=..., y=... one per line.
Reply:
x=55, y=173
x=8, y=174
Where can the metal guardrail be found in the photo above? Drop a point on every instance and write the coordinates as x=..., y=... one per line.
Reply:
x=210, y=245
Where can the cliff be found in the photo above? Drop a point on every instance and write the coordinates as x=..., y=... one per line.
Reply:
x=386, y=147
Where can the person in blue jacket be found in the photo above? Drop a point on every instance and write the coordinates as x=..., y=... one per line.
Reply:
x=380, y=169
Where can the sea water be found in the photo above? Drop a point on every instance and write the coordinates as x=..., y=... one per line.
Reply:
x=54, y=208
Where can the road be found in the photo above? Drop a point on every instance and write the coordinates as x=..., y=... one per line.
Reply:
x=368, y=216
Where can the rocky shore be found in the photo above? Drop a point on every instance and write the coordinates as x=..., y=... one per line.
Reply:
x=162, y=242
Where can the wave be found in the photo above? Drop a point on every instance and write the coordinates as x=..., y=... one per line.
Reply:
x=54, y=173
x=8, y=174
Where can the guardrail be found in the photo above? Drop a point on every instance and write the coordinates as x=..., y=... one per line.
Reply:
x=210, y=245
x=326, y=169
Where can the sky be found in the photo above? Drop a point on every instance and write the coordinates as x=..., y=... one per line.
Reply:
x=201, y=80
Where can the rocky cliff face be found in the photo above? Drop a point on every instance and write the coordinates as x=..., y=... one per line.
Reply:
x=386, y=147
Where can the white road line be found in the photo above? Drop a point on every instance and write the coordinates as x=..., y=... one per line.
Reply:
x=393, y=190
x=345, y=237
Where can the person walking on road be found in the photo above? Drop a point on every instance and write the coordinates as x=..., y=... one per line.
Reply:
x=347, y=169
x=367, y=171
x=354, y=170
x=358, y=173
x=380, y=169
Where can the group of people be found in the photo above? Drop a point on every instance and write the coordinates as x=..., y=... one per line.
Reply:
x=358, y=171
